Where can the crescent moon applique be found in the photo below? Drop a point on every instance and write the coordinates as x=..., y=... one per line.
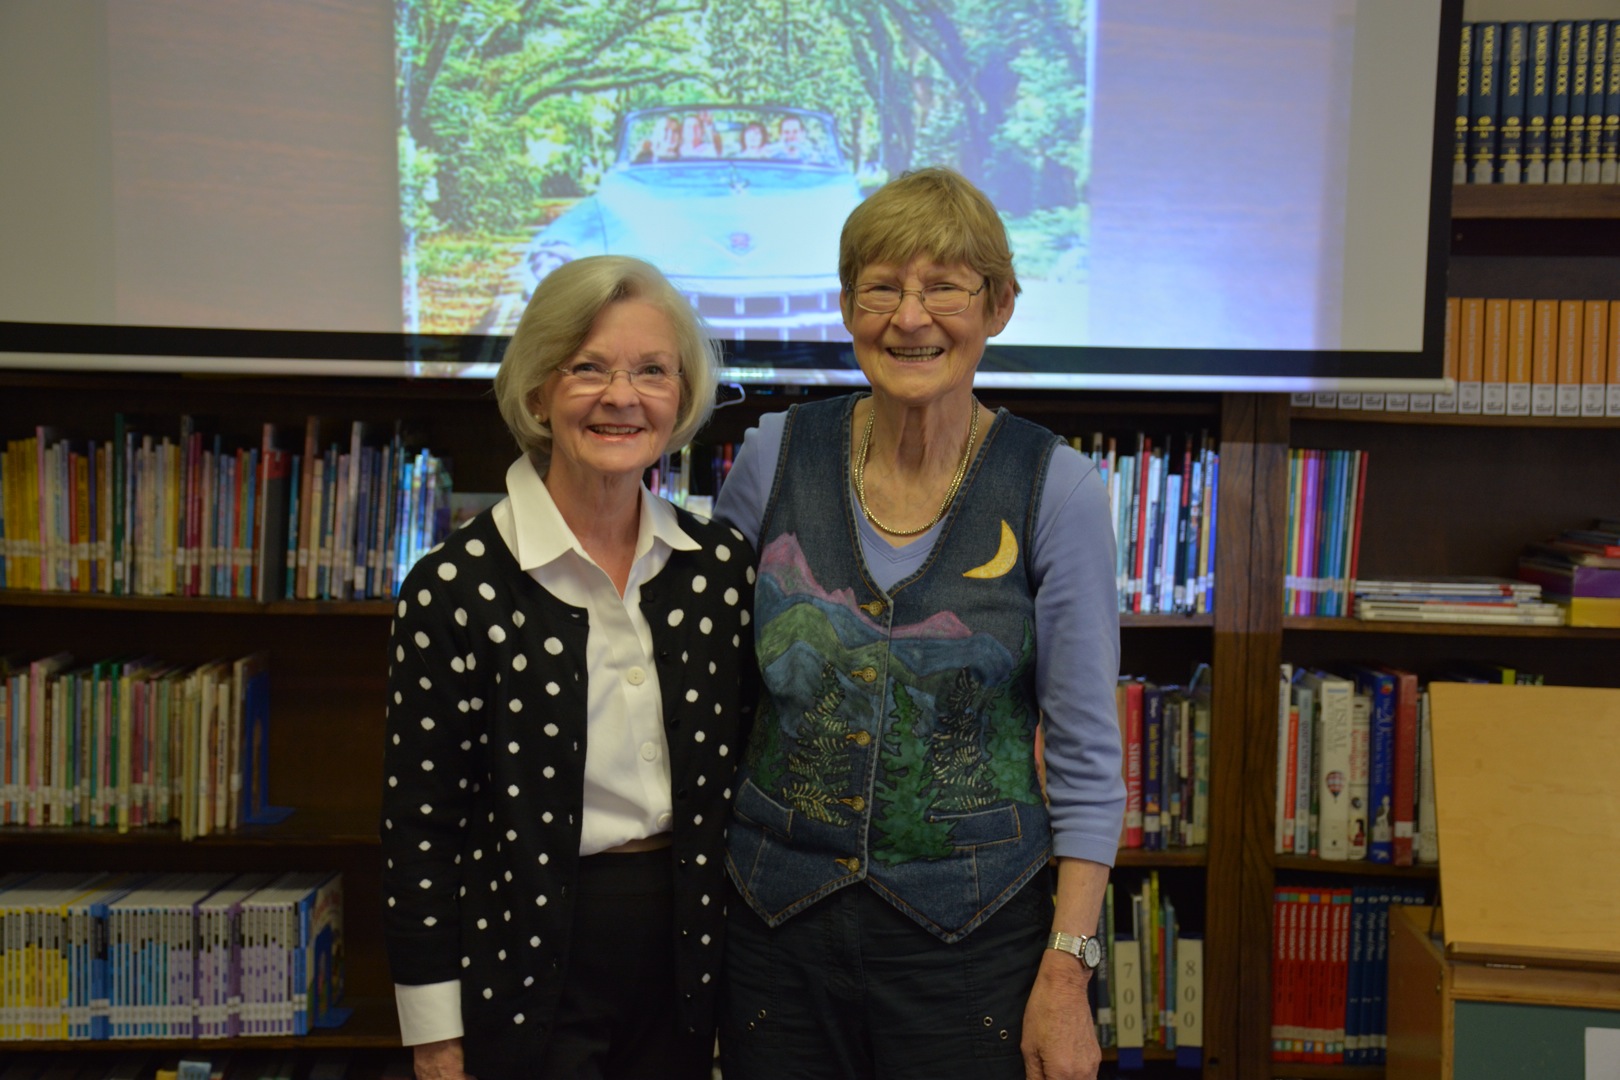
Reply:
x=1005, y=559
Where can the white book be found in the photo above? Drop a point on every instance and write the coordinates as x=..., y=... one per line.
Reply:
x=1426, y=847
x=1568, y=400
x=1189, y=992
x=1333, y=696
x=1360, y=734
x=1371, y=401
x=1325, y=399
x=1394, y=402
x=1420, y=403
x=1350, y=399
x=1130, y=1020
x=1301, y=399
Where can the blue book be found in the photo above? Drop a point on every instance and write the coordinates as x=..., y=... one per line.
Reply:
x=1510, y=126
x=1152, y=766
x=1484, y=101
x=1580, y=70
x=1465, y=106
x=1597, y=81
x=1563, y=54
x=1380, y=686
x=1609, y=157
x=1537, y=96
x=1353, y=975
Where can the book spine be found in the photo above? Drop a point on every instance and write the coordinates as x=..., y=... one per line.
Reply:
x=1609, y=158
x=1381, y=772
x=1580, y=69
x=1539, y=78
x=1471, y=356
x=1596, y=84
x=1570, y=326
x=1465, y=104
x=1485, y=102
x=1510, y=127
x=1563, y=51
x=1612, y=361
x=1594, y=366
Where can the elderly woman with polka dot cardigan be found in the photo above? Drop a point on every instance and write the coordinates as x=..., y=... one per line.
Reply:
x=569, y=682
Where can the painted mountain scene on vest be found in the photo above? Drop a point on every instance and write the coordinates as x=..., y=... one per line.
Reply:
x=938, y=699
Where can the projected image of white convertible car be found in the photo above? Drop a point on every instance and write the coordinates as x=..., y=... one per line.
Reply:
x=740, y=207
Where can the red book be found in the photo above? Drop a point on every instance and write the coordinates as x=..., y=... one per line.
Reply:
x=1406, y=764
x=1130, y=735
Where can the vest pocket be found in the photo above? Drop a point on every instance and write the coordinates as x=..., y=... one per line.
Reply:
x=758, y=808
x=994, y=826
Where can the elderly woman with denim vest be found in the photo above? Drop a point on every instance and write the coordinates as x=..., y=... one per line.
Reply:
x=935, y=581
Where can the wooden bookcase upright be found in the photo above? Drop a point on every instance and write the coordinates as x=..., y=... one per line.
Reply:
x=328, y=659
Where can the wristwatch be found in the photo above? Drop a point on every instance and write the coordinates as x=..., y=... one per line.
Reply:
x=1087, y=950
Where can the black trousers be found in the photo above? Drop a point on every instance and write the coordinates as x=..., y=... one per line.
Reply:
x=616, y=1019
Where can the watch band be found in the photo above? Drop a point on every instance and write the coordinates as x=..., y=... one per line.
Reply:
x=1085, y=949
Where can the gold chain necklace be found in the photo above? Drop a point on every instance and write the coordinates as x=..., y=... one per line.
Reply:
x=950, y=493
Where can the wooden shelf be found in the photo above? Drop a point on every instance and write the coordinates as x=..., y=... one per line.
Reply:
x=1131, y=620
x=1440, y=629
x=303, y=828
x=1354, y=867
x=1184, y=856
x=1454, y=419
x=374, y=1025
x=1284, y=1070
x=1535, y=201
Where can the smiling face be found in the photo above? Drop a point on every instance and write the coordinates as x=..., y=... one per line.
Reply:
x=914, y=357
x=612, y=433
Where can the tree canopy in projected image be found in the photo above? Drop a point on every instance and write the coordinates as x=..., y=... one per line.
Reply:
x=726, y=142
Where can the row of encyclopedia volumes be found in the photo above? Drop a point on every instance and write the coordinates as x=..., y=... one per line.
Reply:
x=1162, y=494
x=132, y=742
x=1538, y=102
x=194, y=515
x=1330, y=972
x=1150, y=989
x=1355, y=779
x=96, y=955
x=1513, y=358
x=1326, y=493
x=1164, y=736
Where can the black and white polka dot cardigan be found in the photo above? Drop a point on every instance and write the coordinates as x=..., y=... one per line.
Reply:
x=484, y=773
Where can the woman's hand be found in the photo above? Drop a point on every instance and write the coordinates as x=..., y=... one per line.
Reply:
x=439, y=1061
x=1060, y=1042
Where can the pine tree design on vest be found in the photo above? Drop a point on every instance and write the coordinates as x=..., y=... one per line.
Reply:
x=819, y=763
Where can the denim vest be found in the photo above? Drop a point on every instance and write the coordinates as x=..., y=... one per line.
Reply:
x=895, y=741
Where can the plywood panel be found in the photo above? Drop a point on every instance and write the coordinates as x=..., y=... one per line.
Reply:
x=1529, y=817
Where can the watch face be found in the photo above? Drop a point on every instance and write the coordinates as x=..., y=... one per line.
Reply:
x=1091, y=953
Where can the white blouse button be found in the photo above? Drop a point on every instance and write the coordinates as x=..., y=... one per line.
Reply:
x=665, y=820
x=636, y=676
x=649, y=752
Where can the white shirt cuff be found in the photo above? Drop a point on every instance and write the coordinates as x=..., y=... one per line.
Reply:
x=428, y=1013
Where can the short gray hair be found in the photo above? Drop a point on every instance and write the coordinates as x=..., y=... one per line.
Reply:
x=554, y=326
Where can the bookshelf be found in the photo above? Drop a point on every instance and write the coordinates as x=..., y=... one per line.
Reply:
x=1447, y=494
x=328, y=658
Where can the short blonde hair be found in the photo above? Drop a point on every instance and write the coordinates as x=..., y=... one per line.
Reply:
x=554, y=326
x=935, y=212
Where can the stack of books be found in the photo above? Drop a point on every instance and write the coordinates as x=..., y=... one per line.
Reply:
x=1448, y=598
x=1579, y=570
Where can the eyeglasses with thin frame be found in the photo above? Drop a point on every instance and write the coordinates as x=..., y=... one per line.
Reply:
x=651, y=379
x=941, y=298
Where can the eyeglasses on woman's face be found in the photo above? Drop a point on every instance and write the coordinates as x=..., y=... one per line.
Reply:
x=940, y=298
x=651, y=379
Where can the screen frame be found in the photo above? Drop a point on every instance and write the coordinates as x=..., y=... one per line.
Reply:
x=102, y=347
